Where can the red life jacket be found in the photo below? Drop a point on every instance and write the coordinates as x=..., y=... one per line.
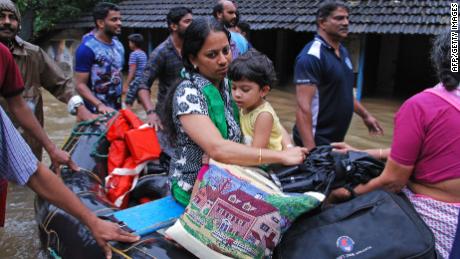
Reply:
x=131, y=145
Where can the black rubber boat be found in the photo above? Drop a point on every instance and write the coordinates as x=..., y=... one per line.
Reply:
x=64, y=237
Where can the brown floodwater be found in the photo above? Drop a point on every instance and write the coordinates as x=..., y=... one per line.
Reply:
x=19, y=237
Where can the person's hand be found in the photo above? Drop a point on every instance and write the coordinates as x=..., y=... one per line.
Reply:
x=338, y=195
x=342, y=147
x=373, y=125
x=59, y=157
x=294, y=155
x=154, y=121
x=104, y=231
x=84, y=115
x=104, y=109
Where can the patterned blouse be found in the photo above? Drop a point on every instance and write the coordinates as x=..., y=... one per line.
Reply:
x=189, y=99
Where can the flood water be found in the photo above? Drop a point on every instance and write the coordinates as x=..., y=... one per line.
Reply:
x=19, y=237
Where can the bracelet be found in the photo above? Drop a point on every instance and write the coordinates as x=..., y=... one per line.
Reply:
x=260, y=155
x=380, y=154
x=151, y=111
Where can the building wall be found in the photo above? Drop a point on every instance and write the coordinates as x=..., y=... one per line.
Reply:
x=61, y=48
x=62, y=45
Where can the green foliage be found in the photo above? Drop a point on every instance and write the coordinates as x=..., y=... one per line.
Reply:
x=293, y=206
x=47, y=13
x=209, y=226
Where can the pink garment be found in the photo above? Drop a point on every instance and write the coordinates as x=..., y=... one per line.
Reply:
x=427, y=136
x=441, y=218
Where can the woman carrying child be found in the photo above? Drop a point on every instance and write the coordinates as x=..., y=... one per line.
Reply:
x=200, y=117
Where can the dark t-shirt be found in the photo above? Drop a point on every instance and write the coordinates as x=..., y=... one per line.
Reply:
x=164, y=63
x=332, y=106
x=11, y=83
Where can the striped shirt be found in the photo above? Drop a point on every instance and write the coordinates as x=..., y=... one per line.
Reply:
x=139, y=58
x=17, y=162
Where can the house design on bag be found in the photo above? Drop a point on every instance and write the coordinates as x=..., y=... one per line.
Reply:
x=241, y=214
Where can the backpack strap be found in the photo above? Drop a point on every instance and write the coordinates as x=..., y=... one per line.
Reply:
x=445, y=96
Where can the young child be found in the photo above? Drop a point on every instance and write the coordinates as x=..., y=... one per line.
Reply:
x=137, y=62
x=252, y=76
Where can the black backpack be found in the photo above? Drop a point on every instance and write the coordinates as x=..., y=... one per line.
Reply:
x=374, y=225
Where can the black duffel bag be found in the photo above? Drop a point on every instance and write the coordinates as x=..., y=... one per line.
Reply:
x=374, y=225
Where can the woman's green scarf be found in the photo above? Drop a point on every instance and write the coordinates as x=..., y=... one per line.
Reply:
x=216, y=107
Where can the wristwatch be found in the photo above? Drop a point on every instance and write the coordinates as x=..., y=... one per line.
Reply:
x=73, y=104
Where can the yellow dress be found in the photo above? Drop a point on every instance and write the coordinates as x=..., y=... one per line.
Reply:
x=248, y=120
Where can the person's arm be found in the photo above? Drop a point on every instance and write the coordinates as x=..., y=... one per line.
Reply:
x=83, y=89
x=27, y=120
x=84, y=58
x=51, y=188
x=204, y=133
x=304, y=116
x=371, y=123
x=286, y=138
x=131, y=74
x=409, y=132
x=53, y=79
x=308, y=74
x=393, y=178
x=377, y=153
x=152, y=69
x=152, y=117
x=83, y=114
x=20, y=166
x=262, y=130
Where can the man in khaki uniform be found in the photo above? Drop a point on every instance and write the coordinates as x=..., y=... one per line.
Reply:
x=38, y=70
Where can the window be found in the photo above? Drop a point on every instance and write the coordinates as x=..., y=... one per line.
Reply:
x=225, y=225
x=264, y=227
